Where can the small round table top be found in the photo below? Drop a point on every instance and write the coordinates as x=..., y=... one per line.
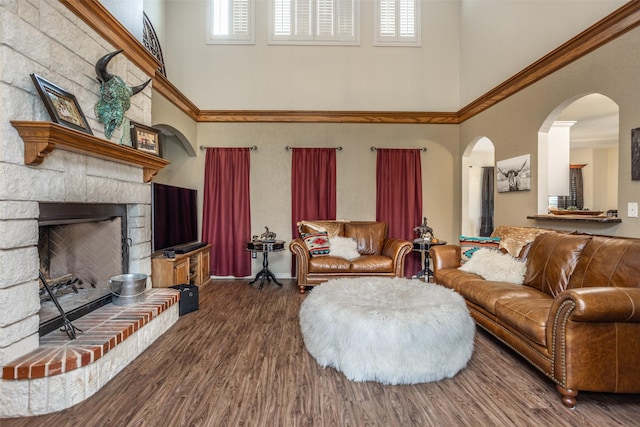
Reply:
x=424, y=245
x=265, y=245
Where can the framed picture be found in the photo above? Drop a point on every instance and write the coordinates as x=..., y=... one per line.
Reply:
x=145, y=138
x=61, y=105
x=514, y=174
x=635, y=154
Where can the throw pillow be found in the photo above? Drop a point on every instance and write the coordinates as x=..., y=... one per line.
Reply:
x=470, y=245
x=496, y=266
x=317, y=243
x=333, y=228
x=344, y=247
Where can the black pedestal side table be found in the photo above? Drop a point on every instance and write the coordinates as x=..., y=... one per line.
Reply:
x=265, y=247
x=423, y=247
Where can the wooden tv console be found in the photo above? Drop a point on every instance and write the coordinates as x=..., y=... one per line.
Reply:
x=189, y=268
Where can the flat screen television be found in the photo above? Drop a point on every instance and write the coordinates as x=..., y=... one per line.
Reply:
x=174, y=216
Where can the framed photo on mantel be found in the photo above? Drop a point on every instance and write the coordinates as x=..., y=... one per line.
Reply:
x=145, y=138
x=61, y=105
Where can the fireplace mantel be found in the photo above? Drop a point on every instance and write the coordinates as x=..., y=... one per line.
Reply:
x=41, y=138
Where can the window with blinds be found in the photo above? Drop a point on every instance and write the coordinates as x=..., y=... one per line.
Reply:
x=230, y=21
x=397, y=23
x=314, y=22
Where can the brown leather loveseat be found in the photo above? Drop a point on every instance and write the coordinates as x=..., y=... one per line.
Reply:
x=576, y=317
x=377, y=255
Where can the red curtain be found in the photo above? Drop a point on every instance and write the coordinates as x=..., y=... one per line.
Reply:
x=399, y=197
x=313, y=186
x=226, y=217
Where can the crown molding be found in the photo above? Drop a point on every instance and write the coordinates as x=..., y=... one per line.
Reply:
x=95, y=15
x=167, y=89
x=614, y=25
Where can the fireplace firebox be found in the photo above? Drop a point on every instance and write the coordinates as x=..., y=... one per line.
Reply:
x=80, y=247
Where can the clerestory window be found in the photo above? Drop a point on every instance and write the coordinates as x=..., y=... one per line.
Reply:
x=397, y=23
x=230, y=22
x=322, y=22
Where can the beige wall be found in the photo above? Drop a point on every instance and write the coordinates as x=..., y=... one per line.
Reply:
x=468, y=47
x=356, y=170
x=364, y=77
x=513, y=126
x=498, y=38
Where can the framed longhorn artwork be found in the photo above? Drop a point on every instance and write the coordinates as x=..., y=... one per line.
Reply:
x=514, y=174
x=62, y=106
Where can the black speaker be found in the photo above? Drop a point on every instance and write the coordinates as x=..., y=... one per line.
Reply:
x=188, y=298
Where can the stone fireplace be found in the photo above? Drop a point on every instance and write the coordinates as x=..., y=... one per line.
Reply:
x=43, y=164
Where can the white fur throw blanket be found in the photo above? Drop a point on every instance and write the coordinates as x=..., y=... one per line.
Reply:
x=495, y=266
x=343, y=247
x=389, y=330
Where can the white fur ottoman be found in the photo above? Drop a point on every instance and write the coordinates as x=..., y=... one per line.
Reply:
x=389, y=330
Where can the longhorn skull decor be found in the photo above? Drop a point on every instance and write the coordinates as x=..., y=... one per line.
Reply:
x=115, y=95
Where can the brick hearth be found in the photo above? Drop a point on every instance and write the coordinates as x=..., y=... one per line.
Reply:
x=67, y=372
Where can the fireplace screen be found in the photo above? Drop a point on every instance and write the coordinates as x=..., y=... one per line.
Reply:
x=77, y=258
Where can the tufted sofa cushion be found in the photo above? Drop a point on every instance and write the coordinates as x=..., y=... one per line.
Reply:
x=370, y=236
x=552, y=259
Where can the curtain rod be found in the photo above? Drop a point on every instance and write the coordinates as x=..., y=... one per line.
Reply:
x=252, y=148
x=289, y=148
x=423, y=149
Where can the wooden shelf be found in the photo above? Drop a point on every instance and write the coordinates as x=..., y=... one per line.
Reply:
x=41, y=138
x=579, y=218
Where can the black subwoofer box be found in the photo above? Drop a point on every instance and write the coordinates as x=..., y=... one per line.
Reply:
x=188, y=298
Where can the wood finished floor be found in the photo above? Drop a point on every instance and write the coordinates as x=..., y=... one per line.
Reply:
x=240, y=361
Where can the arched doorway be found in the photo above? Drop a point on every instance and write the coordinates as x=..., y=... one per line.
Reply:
x=591, y=142
x=172, y=134
x=478, y=155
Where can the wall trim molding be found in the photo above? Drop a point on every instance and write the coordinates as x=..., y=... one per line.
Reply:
x=611, y=27
x=164, y=87
x=302, y=116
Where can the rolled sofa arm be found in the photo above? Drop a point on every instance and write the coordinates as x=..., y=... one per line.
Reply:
x=600, y=304
x=300, y=250
x=397, y=250
x=394, y=247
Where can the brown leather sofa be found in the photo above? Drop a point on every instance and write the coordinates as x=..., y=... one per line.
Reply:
x=379, y=254
x=576, y=318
